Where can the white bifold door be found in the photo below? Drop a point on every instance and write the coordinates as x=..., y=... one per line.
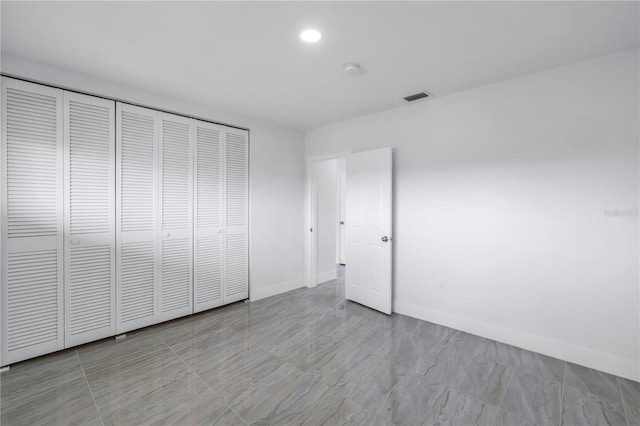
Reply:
x=235, y=226
x=182, y=216
x=208, y=280
x=89, y=214
x=137, y=228
x=175, y=179
x=32, y=221
x=220, y=216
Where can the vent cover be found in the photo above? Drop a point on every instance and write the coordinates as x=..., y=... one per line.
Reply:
x=416, y=96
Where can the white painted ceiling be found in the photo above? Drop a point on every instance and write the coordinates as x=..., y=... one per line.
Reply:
x=246, y=57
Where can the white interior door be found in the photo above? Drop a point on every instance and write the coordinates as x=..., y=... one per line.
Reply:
x=32, y=321
x=89, y=212
x=208, y=217
x=368, y=276
x=136, y=216
x=176, y=167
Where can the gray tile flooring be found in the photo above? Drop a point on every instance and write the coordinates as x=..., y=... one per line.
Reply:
x=309, y=357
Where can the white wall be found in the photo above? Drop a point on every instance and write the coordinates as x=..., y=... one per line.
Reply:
x=276, y=173
x=325, y=175
x=502, y=192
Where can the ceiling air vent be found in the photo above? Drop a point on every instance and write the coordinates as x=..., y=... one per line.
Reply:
x=416, y=96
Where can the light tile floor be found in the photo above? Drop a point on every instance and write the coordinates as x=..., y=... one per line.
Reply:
x=309, y=357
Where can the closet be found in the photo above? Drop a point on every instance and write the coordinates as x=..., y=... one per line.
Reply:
x=114, y=217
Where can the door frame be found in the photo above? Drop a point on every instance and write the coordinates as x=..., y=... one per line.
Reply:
x=310, y=240
x=341, y=247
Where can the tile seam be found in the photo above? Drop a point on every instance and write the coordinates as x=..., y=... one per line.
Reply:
x=200, y=377
x=84, y=374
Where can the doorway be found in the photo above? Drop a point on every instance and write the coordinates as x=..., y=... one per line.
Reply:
x=352, y=195
x=325, y=242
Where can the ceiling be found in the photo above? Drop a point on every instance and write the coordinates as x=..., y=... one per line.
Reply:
x=247, y=57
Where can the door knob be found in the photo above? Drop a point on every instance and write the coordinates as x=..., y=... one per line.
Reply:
x=342, y=222
x=385, y=239
x=167, y=235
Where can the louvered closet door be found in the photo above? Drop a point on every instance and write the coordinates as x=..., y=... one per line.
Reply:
x=89, y=144
x=176, y=159
x=208, y=216
x=137, y=228
x=236, y=250
x=32, y=221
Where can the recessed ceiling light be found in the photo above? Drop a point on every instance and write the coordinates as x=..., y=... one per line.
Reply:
x=310, y=36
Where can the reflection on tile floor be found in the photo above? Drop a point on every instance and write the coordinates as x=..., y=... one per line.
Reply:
x=309, y=357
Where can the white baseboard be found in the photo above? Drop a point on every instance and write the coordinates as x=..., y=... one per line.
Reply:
x=326, y=276
x=624, y=367
x=275, y=289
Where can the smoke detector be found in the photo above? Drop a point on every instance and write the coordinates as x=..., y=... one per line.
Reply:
x=352, y=69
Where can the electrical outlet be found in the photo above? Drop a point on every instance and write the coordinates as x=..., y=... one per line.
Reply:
x=442, y=285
